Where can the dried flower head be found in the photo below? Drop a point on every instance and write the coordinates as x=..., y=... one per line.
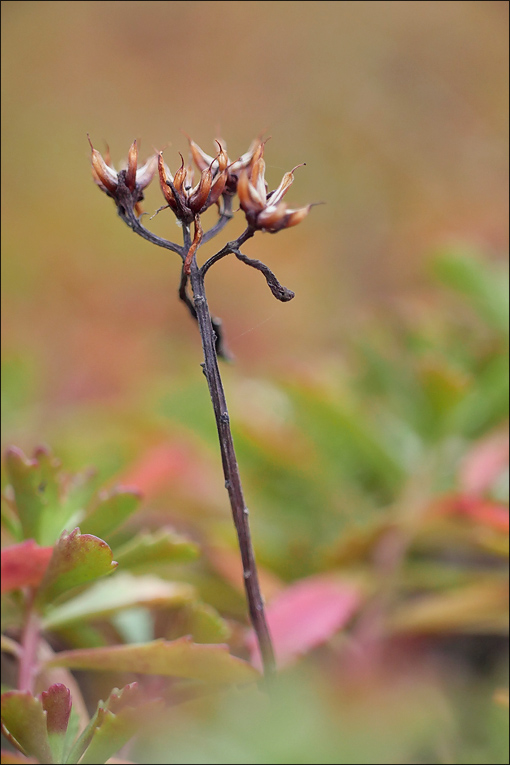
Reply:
x=244, y=162
x=132, y=178
x=266, y=211
x=185, y=199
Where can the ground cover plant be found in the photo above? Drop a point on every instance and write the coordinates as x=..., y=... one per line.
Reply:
x=380, y=506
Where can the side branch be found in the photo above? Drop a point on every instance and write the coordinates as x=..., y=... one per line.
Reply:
x=279, y=291
x=227, y=249
x=127, y=214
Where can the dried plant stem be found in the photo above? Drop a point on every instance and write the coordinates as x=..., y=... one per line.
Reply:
x=213, y=346
x=231, y=469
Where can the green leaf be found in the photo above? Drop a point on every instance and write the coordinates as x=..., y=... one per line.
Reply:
x=73, y=728
x=110, y=511
x=202, y=622
x=205, y=624
x=113, y=724
x=484, y=284
x=485, y=404
x=346, y=438
x=134, y=625
x=24, y=723
x=77, y=559
x=149, y=549
x=54, y=512
x=10, y=519
x=43, y=506
x=179, y=658
x=121, y=592
x=116, y=730
x=21, y=474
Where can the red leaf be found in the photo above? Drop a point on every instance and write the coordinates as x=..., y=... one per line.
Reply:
x=493, y=514
x=306, y=615
x=24, y=565
x=179, y=465
x=484, y=511
x=57, y=704
x=157, y=468
x=484, y=463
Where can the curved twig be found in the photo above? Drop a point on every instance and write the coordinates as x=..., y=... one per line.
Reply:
x=279, y=291
x=128, y=216
x=227, y=249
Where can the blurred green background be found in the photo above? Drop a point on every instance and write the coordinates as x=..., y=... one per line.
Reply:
x=359, y=402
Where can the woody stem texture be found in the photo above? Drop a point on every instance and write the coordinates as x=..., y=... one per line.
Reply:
x=220, y=181
x=231, y=469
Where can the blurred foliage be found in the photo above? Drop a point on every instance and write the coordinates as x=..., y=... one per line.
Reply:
x=52, y=584
x=370, y=414
x=388, y=473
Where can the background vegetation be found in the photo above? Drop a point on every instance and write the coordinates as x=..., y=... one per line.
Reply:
x=370, y=413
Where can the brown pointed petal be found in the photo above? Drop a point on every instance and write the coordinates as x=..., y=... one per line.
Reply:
x=248, y=197
x=200, y=158
x=164, y=175
x=188, y=180
x=284, y=186
x=258, y=152
x=273, y=217
x=255, y=151
x=98, y=180
x=107, y=156
x=222, y=158
x=180, y=177
x=106, y=175
x=293, y=217
x=199, y=198
x=243, y=191
x=131, y=166
x=145, y=174
x=245, y=160
x=218, y=187
x=258, y=170
x=258, y=180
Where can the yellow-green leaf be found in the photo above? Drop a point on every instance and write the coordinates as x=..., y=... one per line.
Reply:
x=179, y=658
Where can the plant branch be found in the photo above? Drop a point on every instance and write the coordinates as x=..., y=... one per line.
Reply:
x=227, y=249
x=279, y=291
x=128, y=215
x=231, y=468
x=212, y=344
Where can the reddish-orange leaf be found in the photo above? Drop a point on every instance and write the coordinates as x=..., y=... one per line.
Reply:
x=306, y=615
x=24, y=565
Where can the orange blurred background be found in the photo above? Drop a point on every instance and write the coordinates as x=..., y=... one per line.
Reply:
x=399, y=110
